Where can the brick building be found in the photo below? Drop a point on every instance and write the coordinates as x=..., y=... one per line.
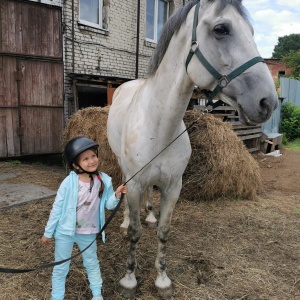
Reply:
x=277, y=67
x=107, y=43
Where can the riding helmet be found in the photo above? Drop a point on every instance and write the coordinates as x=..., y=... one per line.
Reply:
x=76, y=146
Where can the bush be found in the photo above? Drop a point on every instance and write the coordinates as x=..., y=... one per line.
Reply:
x=290, y=121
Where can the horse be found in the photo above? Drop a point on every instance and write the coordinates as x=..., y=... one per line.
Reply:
x=208, y=44
x=151, y=220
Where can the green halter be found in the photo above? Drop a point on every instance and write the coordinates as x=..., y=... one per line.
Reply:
x=223, y=80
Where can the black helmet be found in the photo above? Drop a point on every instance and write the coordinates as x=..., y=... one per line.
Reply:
x=76, y=146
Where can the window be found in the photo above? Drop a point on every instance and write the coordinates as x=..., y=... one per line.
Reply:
x=90, y=13
x=156, y=16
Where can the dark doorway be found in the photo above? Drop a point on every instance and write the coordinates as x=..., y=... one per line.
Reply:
x=91, y=96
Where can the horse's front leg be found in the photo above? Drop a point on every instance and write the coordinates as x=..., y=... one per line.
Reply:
x=128, y=283
x=167, y=204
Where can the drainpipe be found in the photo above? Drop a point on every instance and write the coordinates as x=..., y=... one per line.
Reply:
x=137, y=40
x=73, y=46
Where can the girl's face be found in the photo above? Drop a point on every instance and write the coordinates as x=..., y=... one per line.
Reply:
x=87, y=160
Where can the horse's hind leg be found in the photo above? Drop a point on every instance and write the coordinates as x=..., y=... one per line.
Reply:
x=151, y=220
x=128, y=283
x=125, y=224
x=167, y=204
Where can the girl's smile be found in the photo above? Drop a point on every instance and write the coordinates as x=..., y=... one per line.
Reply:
x=88, y=160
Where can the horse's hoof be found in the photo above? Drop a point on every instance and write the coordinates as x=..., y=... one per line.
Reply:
x=127, y=293
x=165, y=293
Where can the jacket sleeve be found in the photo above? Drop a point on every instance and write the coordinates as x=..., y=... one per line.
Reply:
x=111, y=200
x=56, y=211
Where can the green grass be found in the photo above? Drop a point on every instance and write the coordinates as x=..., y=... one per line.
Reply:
x=294, y=145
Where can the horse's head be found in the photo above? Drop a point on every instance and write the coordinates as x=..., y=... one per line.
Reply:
x=223, y=44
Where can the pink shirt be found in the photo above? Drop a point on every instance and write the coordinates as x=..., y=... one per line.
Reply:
x=87, y=210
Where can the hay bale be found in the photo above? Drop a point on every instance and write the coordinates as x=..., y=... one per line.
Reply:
x=220, y=164
x=91, y=122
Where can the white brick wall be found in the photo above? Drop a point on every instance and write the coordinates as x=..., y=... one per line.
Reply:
x=110, y=52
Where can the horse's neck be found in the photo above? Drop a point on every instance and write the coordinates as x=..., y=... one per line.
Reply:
x=170, y=89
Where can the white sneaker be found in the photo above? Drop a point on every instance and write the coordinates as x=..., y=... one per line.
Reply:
x=98, y=297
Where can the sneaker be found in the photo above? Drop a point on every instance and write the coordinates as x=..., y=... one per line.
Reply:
x=98, y=297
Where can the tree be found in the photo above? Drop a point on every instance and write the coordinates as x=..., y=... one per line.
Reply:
x=292, y=60
x=286, y=44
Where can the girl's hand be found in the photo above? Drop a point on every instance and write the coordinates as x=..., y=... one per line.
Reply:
x=122, y=189
x=46, y=241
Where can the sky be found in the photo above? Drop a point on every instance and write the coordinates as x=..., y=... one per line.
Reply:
x=272, y=19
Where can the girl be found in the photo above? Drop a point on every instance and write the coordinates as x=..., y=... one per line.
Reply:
x=78, y=214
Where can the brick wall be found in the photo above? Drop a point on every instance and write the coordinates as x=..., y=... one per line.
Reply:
x=107, y=52
x=275, y=66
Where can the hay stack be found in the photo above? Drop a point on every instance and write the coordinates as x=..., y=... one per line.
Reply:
x=91, y=123
x=220, y=164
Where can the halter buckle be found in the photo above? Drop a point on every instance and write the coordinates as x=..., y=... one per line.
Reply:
x=223, y=81
x=194, y=46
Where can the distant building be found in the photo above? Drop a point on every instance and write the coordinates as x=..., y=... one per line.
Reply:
x=277, y=67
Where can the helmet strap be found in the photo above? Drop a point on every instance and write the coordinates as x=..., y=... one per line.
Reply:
x=82, y=171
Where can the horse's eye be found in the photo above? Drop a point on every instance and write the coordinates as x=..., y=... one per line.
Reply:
x=221, y=30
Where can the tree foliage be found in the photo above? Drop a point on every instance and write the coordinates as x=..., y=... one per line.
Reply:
x=290, y=121
x=292, y=60
x=286, y=44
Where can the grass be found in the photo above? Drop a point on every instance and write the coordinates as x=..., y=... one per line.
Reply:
x=294, y=145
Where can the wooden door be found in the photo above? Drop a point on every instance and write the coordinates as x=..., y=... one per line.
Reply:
x=31, y=78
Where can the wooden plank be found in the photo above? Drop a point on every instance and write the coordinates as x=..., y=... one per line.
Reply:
x=253, y=149
x=249, y=137
x=57, y=84
x=9, y=140
x=248, y=131
x=42, y=134
x=57, y=33
x=242, y=126
x=3, y=143
x=8, y=84
x=225, y=108
x=4, y=28
x=18, y=27
x=110, y=93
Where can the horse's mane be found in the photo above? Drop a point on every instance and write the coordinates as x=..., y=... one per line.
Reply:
x=173, y=25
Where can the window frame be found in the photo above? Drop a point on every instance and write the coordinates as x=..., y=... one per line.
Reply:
x=91, y=24
x=155, y=40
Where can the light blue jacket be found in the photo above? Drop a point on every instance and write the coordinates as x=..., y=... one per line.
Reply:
x=63, y=214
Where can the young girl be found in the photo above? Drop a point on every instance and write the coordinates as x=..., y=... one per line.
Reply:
x=78, y=214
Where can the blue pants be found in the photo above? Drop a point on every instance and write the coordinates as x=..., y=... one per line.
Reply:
x=63, y=250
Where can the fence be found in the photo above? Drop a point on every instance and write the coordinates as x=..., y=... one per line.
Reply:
x=289, y=92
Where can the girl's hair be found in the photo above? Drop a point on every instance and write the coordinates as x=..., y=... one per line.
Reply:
x=101, y=187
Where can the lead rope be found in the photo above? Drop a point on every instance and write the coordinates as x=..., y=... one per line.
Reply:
x=44, y=266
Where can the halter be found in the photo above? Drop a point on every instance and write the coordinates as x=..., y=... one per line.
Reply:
x=223, y=80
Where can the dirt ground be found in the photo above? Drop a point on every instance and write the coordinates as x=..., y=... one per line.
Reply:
x=223, y=249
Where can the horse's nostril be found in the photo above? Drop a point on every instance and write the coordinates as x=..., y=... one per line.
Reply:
x=265, y=106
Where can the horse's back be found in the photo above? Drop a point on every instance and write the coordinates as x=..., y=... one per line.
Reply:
x=123, y=95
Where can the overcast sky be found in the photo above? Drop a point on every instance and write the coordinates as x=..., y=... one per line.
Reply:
x=272, y=19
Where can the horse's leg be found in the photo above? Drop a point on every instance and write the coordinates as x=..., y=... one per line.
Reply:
x=125, y=224
x=167, y=204
x=151, y=220
x=128, y=283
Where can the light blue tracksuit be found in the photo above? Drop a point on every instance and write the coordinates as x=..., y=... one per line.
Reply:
x=62, y=223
